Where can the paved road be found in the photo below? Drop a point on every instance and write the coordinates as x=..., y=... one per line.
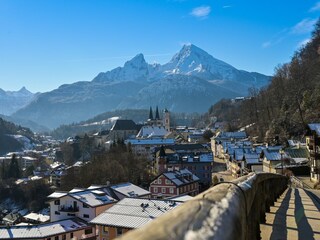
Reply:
x=296, y=215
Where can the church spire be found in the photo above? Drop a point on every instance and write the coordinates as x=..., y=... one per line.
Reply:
x=150, y=114
x=157, y=113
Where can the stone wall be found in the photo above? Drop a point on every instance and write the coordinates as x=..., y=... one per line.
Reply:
x=226, y=211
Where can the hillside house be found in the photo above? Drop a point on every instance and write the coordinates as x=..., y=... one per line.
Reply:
x=146, y=147
x=221, y=137
x=123, y=129
x=69, y=229
x=174, y=183
x=82, y=203
x=274, y=160
x=127, y=190
x=197, y=158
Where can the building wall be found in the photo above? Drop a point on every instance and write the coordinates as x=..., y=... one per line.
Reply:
x=56, y=214
x=108, y=233
x=165, y=188
x=101, y=209
x=313, y=145
x=269, y=166
x=203, y=170
x=162, y=188
x=75, y=235
x=256, y=168
x=121, y=134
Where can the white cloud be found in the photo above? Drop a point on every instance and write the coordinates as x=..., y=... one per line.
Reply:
x=304, y=26
x=316, y=7
x=227, y=6
x=201, y=12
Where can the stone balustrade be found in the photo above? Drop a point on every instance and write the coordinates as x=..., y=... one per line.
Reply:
x=225, y=211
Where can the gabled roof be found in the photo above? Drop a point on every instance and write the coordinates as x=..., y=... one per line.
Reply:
x=43, y=230
x=134, y=212
x=152, y=131
x=151, y=141
x=124, y=125
x=298, y=152
x=130, y=190
x=234, y=135
x=252, y=158
x=189, y=147
x=274, y=155
x=181, y=198
x=37, y=217
x=181, y=177
x=57, y=194
x=92, y=198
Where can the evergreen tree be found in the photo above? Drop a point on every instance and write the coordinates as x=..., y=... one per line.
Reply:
x=14, y=170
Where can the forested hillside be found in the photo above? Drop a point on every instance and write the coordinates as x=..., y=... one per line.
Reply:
x=7, y=143
x=106, y=120
x=291, y=101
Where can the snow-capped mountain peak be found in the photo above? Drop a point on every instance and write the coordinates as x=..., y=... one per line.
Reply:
x=190, y=82
x=14, y=100
x=24, y=91
x=192, y=60
x=136, y=61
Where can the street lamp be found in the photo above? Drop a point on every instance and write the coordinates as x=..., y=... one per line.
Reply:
x=281, y=153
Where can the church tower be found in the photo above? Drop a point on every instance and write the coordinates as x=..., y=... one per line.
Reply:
x=150, y=114
x=166, y=119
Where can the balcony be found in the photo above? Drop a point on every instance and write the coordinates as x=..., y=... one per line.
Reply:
x=64, y=208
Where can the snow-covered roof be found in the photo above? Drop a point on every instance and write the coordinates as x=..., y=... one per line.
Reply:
x=76, y=190
x=252, y=158
x=152, y=131
x=92, y=198
x=151, y=141
x=29, y=158
x=232, y=135
x=57, y=194
x=134, y=212
x=56, y=165
x=274, y=155
x=181, y=177
x=182, y=198
x=37, y=217
x=130, y=190
x=122, y=124
x=41, y=231
x=202, y=157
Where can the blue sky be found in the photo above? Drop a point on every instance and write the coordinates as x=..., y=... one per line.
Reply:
x=44, y=44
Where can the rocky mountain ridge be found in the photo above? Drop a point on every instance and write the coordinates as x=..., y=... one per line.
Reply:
x=190, y=82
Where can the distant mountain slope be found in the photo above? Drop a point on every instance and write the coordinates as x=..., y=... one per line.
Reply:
x=8, y=143
x=190, y=82
x=76, y=102
x=35, y=127
x=11, y=101
x=185, y=93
